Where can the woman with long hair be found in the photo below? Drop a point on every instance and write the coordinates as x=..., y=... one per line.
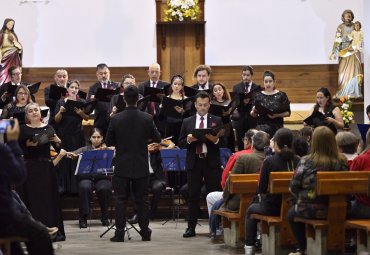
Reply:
x=309, y=205
x=40, y=190
x=325, y=105
x=10, y=50
x=22, y=98
x=70, y=132
x=220, y=96
x=284, y=159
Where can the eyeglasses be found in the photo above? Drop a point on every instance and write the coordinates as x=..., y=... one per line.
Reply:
x=16, y=73
x=22, y=94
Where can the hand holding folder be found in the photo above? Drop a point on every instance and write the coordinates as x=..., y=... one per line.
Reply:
x=315, y=118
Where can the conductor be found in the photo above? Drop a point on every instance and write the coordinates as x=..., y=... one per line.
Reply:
x=130, y=132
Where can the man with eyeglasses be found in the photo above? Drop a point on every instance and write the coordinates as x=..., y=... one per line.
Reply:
x=127, y=80
x=101, y=119
x=15, y=73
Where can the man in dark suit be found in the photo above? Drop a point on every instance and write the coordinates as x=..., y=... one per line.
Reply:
x=130, y=132
x=101, y=119
x=202, y=74
x=61, y=79
x=245, y=121
x=15, y=73
x=154, y=73
x=203, y=156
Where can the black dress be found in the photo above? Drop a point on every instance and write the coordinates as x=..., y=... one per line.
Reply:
x=328, y=113
x=72, y=136
x=10, y=109
x=277, y=103
x=40, y=190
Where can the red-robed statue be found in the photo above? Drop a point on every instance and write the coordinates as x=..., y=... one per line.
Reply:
x=10, y=50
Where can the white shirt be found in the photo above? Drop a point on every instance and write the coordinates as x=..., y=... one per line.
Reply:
x=206, y=86
x=151, y=171
x=151, y=84
x=197, y=123
x=248, y=87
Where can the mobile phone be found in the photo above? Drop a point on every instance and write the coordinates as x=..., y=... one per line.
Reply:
x=4, y=125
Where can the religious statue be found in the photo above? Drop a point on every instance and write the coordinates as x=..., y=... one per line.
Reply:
x=10, y=50
x=347, y=46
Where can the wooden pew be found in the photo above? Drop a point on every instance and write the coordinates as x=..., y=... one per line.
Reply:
x=5, y=243
x=362, y=227
x=233, y=223
x=275, y=230
x=325, y=236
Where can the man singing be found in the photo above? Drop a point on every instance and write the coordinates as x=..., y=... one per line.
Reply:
x=202, y=158
x=130, y=132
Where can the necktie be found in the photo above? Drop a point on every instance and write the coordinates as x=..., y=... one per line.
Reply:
x=104, y=85
x=203, y=86
x=153, y=84
x=199, y=147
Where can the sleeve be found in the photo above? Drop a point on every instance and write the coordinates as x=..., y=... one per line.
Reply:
x=156, y=136
x=229, y=166
x=91, y=92
x=12, y=162
x=263, y=183
x=285, y=103
x=238, y=167
x=48, y=101
x=296, y=182
x=110, y=138
x=183, y=144
x=57, y=106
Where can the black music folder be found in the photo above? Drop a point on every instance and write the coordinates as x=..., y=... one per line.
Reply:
x=192, y=92
x=169, y=104
x=105, y=95
x=34, y=88
x=143, y=103
x=218, y=110
x=315, y=118
x=71, y=104
x=154, y=93
x=21, y=116
x=43, y=136
x=57, y=92
x=11, y=89
x=121, y=104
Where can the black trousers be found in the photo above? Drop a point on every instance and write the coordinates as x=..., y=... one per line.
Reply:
x=298, y=229
x=103, y=189
x=212, y=180
x=139, y=187
x=156, y=186
x=251, y=224
x=39, y=242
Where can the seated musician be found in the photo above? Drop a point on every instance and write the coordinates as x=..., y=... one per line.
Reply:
x=86, y=184
x=157, y=179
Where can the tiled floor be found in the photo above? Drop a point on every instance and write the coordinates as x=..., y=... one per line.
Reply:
x=166, y=239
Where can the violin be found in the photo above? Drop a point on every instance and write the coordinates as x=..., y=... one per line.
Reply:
x=164, y=144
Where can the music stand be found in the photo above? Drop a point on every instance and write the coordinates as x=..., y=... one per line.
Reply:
x=95, y=162
x=174, y=160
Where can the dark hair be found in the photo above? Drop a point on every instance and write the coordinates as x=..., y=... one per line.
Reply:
x=306, y=132
x=247, y=68
x=350, y=12
x=226, y=95
x=283, y=138
x=3, y=29
x=265, y=128
x=101, y=66
x=268, y=73
x=347, y=142
x=300, y=146
x=326, y=94
x=260, y=140
x=249, y=134
x=12, y=68
x=74, y=81
x=131, y=95
x=202, y=68
x=177, y=76
x=126, y=76
x=359, y=23
x=95, y=130
x=202, y=95
x=368, y=109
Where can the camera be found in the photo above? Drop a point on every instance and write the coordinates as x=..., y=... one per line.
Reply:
x=4, y=125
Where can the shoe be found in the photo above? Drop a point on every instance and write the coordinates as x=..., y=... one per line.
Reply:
x=249, y=250
x=118, y=238
x=52, y=232
x=105, y=222
x=190, y=232
x=146, y=235
x=297, y=252
x=82, y=222
x=134, y=219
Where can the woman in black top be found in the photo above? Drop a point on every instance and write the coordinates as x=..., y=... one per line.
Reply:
x=22, y=98
x=70, y=132
x=40, y=190
x=220, y=96
x=100, y=182
x=275, y=101
x=325, y=105
x=284, y=159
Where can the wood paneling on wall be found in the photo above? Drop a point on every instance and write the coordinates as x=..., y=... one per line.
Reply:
x=300, y=82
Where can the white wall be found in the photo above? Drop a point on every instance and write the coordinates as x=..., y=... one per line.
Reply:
x=270, y=32
x=82, y=33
